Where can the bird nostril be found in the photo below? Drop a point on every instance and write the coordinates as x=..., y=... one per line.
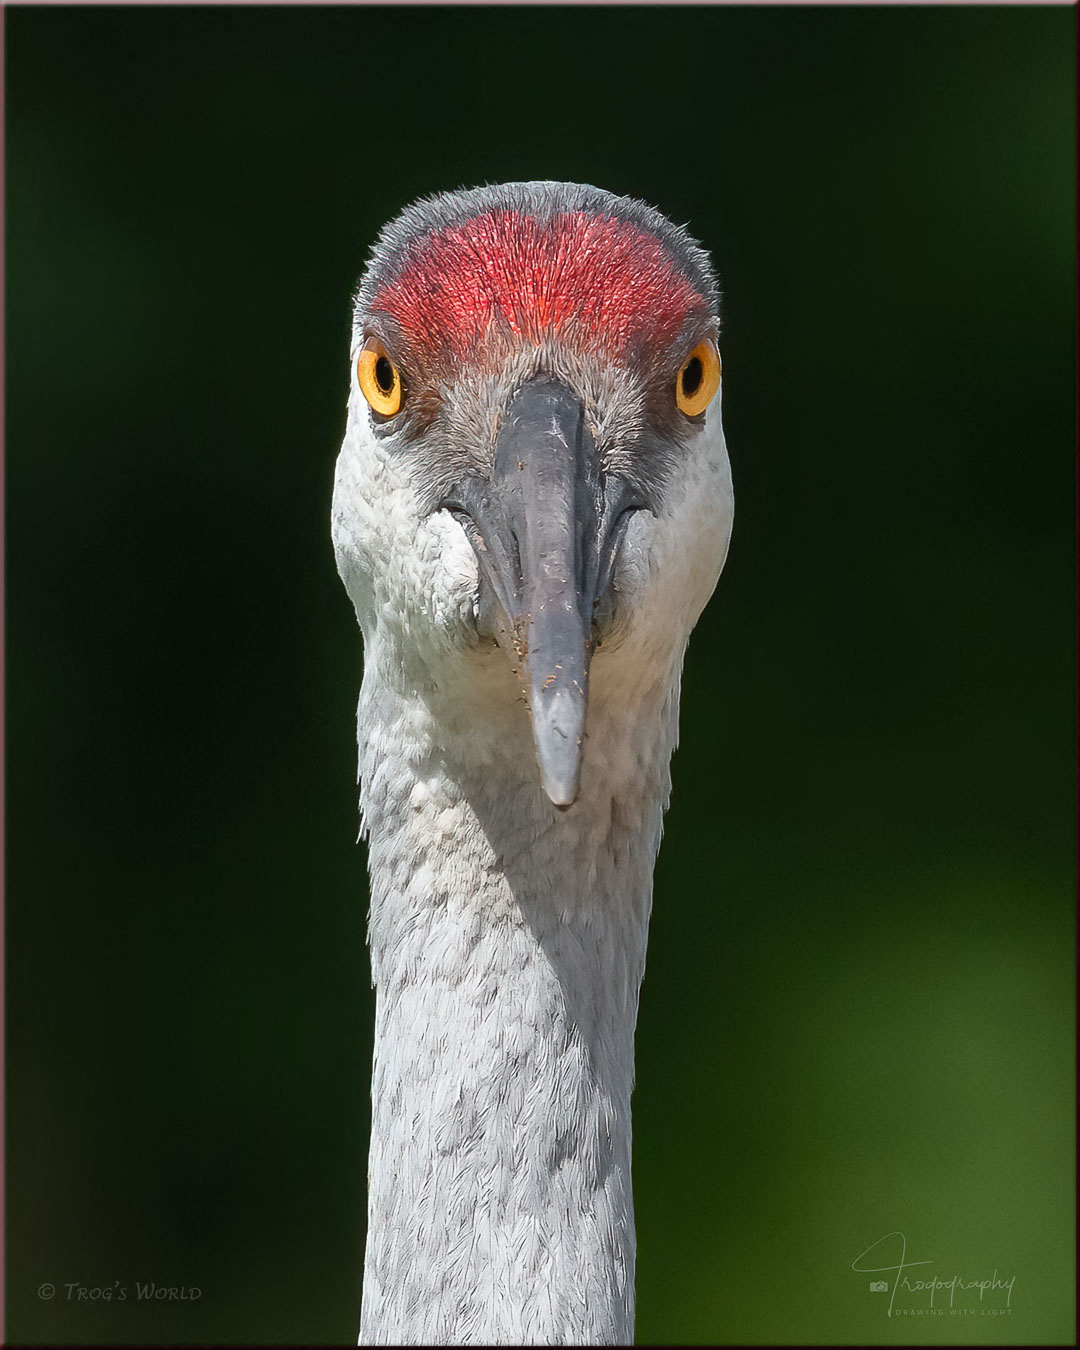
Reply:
x=494, y=607
x=467, y=523
x=607, y=615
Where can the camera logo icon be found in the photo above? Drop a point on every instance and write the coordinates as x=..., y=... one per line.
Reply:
x=879, y=1286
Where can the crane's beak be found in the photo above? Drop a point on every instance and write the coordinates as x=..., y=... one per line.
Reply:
x=546, y=527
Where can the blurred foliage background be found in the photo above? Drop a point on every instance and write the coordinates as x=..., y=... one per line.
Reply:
x=857, y=1014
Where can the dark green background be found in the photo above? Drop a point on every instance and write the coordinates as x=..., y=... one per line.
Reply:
x=857, y=1012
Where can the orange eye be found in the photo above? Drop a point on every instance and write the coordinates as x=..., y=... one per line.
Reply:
x=698, y=379
x=380, y=379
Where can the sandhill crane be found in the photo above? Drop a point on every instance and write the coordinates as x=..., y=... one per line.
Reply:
x=532, y=505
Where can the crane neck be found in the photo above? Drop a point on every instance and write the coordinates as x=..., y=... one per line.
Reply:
x=508, y=946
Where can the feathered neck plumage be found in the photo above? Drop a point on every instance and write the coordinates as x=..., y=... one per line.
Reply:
x=508, y=945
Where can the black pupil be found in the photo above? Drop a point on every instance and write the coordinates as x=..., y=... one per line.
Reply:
x=693, y=374
x=384, y=374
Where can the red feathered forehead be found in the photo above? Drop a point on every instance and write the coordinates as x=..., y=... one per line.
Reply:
x=606, y=279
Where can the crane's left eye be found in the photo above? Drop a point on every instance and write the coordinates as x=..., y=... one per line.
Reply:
x=379, y=378
x=698, y=379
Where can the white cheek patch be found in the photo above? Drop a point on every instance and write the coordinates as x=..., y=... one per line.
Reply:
x=669, y=563
x=457, y=554
x=457, y=575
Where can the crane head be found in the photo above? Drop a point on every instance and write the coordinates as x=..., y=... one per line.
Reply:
x=534, y=456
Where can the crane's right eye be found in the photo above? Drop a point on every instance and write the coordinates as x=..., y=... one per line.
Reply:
x=379, y=379
x=698, y=379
